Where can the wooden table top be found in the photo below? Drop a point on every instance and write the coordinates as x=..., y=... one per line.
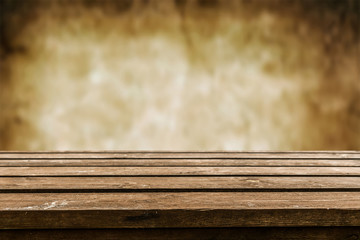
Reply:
x=179, y=189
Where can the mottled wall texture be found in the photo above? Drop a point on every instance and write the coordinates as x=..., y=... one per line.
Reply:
x=180, y=75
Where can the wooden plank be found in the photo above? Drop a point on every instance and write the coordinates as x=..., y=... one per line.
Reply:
x=40, y=219
x=68, y=184
x=182, y=155
x=178, y=190
x=185, y=201
x=177, y=162
x=178, y=171
x=278, y=233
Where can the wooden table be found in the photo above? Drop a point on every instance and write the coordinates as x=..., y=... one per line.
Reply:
x=180, y=195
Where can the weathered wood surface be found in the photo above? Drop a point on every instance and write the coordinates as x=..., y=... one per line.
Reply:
x=177, y=162
x=183, y=155
x=294, y=233
x=179, y=171
x=126, y=184
x=159, y=190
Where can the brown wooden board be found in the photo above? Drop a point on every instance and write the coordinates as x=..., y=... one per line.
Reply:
x=139, y=162
x=276, y=233
x=159, y=190
x=124, y=210
x=152, y=184
x=206, y=218
x=183, y=201
x=179, y=171
x=177, y=155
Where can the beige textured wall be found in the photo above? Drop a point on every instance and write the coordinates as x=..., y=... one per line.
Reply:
x=180, y=75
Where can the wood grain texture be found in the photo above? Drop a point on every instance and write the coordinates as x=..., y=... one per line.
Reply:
x=188, y=162
x=123, y=218
x=294, y=233
x=33, y=184
x=182, y=201
x=160, y=190
x=178, y=171
x=179, y=155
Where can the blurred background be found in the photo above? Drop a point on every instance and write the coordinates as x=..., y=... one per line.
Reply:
x=179, y=75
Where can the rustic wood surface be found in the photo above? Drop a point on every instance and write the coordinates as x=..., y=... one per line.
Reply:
x=183, y=184
x=179, y=171
x=286, y=192
x=295, y=233
x=182, y=155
